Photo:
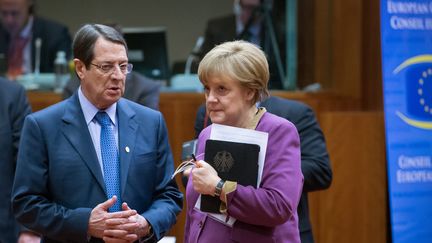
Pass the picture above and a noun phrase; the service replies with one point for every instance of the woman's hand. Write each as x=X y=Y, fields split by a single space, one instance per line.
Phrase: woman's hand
x=204 y=178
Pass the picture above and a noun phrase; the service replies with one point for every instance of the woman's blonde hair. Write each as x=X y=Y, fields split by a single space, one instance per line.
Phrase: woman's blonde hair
x=237 y=60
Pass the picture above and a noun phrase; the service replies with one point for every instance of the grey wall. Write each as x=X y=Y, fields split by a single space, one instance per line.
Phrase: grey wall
x=184 y=19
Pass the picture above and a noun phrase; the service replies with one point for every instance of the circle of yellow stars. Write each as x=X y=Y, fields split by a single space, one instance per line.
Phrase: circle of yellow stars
x=426 y=107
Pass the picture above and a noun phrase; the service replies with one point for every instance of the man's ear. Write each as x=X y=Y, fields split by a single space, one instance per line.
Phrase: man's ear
x=80 y=68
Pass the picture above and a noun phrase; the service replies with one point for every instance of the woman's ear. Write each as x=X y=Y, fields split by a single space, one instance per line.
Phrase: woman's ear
x=250 y=95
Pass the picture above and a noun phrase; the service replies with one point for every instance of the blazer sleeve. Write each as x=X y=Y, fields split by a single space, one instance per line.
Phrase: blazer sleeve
x=199 y=120
x=30 y=197
x=21 y=108
x=150 y=93
x=315 y=162
x=167 y=199
x=71 y=86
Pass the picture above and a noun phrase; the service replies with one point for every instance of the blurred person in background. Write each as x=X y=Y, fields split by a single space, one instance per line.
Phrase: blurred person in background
x=247 y=22
x=22 y=31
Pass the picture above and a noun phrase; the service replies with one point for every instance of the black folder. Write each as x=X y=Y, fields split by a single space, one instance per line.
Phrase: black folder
x=234 y=162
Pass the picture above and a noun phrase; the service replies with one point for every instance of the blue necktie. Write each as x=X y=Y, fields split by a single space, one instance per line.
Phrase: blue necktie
x=110 y=159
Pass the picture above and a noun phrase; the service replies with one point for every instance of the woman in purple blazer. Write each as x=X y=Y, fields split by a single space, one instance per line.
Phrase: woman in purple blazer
x=235 y=76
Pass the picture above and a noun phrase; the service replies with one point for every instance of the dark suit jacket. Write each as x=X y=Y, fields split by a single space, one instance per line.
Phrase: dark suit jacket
x=55 y=37
x=218 y=30
x=139 y=89
x=14 y=107
x=59 y=180
x=315 y=163
x=222 y=29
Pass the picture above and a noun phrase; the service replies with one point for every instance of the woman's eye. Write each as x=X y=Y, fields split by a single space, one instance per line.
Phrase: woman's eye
x=221 y=89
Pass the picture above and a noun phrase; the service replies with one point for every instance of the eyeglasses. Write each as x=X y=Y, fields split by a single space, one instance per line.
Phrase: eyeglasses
x=106 y=68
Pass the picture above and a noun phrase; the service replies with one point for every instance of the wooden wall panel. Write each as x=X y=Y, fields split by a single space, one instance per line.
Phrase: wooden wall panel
x=41 y=99
x=346 y=49
x=322 y=101
x=306 y=17
x=372 y=91
x=346 y=37
x=322 y=44
x=354 y=208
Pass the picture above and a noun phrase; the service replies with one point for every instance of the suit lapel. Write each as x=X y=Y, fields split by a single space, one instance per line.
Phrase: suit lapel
x=4 y=41
x=76 y=131
x=127 y=127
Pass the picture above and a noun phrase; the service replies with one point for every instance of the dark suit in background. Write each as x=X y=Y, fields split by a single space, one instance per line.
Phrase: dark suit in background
x=55 y=37
x=14 y=107
x=315 y=163
x=139 y=89
x=218 y=30
x=222 y=29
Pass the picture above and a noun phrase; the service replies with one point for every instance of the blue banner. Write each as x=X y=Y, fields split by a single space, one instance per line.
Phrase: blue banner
x=406 y=41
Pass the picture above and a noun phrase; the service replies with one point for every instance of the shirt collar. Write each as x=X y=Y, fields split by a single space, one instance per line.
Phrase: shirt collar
x=90 y=110
x=254 y=29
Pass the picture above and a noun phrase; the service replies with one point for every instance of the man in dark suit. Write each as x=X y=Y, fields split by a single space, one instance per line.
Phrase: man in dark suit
x=14 y=107
x=139 y=89
x=247 y=23
x=19 y=31
x=315 y=162
x=96 y=166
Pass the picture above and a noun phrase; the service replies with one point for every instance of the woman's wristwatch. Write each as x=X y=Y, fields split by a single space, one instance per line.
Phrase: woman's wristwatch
x=218 y=188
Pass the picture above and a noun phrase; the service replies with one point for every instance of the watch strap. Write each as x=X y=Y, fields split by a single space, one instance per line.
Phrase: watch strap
x=218 y=188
